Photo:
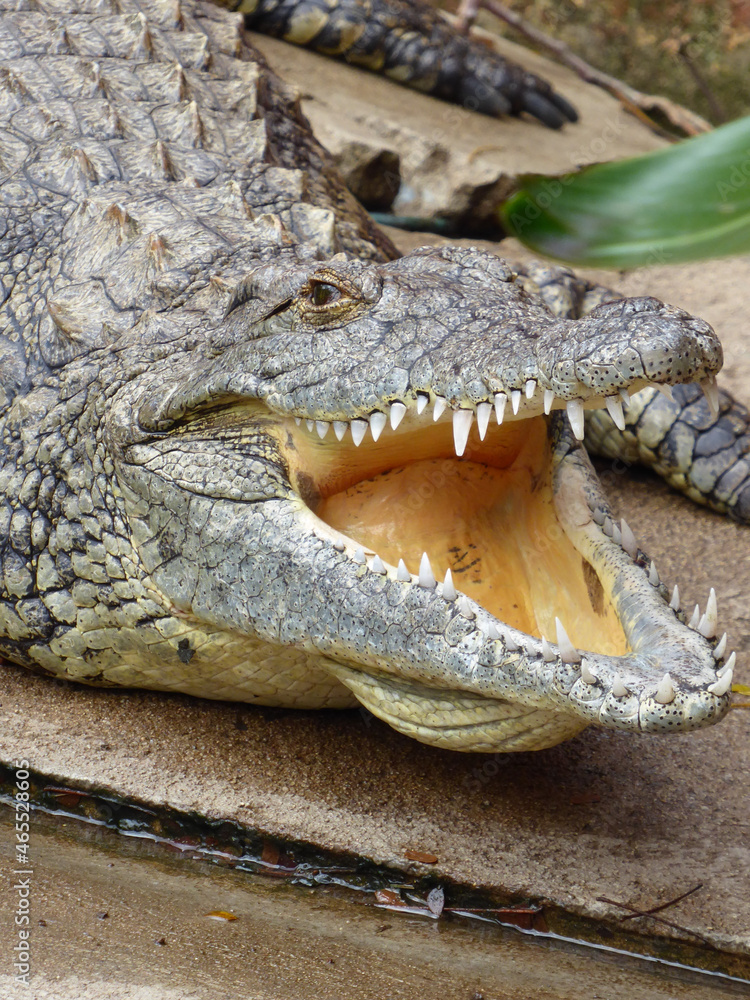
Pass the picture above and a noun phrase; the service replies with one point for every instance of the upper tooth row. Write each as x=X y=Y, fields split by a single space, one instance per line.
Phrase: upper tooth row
x=665 y=692
x=464 y=418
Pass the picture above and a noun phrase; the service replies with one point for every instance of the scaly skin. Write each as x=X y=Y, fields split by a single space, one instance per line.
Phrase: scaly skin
x=412 y=44
x=186 y=283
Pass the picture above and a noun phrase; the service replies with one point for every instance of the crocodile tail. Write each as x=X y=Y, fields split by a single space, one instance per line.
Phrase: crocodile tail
x=703 y=455
x=413 y=45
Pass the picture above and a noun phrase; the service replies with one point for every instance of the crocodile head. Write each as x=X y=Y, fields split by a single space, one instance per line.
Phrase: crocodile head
x=376 y=476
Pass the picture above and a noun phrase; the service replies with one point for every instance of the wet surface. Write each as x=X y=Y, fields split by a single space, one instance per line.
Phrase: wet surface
x=115 y=917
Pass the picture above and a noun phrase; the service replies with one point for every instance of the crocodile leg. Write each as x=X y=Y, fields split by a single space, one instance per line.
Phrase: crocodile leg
x=413 y=45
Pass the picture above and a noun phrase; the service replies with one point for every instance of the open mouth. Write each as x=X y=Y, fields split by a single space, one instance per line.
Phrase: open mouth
x=484 y=524
x=503 y=516
x=470 y=560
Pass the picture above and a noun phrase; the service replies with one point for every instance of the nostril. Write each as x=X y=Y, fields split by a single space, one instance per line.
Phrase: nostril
x=648 y=304
x=622 y=308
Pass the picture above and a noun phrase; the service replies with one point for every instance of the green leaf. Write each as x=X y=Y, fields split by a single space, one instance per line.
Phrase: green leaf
x=690 y=201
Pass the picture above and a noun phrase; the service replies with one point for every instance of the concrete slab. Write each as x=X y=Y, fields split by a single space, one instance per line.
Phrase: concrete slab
x=636 y=820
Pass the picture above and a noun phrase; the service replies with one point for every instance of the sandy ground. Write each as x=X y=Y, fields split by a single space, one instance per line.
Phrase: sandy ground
x=606 y=814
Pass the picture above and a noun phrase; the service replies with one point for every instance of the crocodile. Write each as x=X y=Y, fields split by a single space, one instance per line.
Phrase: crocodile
x=250 y=453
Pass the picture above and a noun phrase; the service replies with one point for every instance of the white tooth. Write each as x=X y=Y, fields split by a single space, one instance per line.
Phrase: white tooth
x=359 y=429
x=624 y=396
x=322 y=427
x=729 y=665
x=422 y=401
x=402 y=573
x=298 y=421
x=310 y=425
x=614 y=408
x=500 y=400
x=530 y=388
x=439 y=408
x=359 y=557
x=568 y=652
x=599 y=516
x=377 y=565
x=515 y=399
x=398 y=412
x=724 y=683
x=575 y=416
x=465 y=608
x=711 y=392
x=510 y=644
x=549 y=399
x=675 y=602
x=492 y=632
x=666 y=390
x=710 y=620
x=426 y=576
x=339 y=546
x=628 y=539
x=449 y=591
x=547 y=653
x=616 y=534
x=665 y=692
x=653 y=576
x=340 y=428
x=608 y=526
x=484 y=411
x=586 y=676
x=618 y=688
x=377 y=423
x=462 y=421
x=720 y=647
x=693 y=623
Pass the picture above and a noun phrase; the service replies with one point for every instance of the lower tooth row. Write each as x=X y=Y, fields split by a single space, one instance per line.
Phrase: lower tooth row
x=665 y=691
x=706 y=623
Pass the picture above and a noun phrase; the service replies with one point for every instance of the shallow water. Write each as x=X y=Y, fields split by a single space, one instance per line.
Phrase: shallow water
x=115 y=916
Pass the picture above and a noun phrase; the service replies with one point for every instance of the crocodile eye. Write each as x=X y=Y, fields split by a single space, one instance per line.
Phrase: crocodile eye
x=323 y=294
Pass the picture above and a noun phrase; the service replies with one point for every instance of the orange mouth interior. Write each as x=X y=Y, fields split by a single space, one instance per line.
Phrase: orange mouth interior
x=489 y=517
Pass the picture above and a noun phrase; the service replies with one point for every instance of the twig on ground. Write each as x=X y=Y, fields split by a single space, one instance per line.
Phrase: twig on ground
x=664 y=906
x=717 y=112
x=639 y=104
x=651 y=914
